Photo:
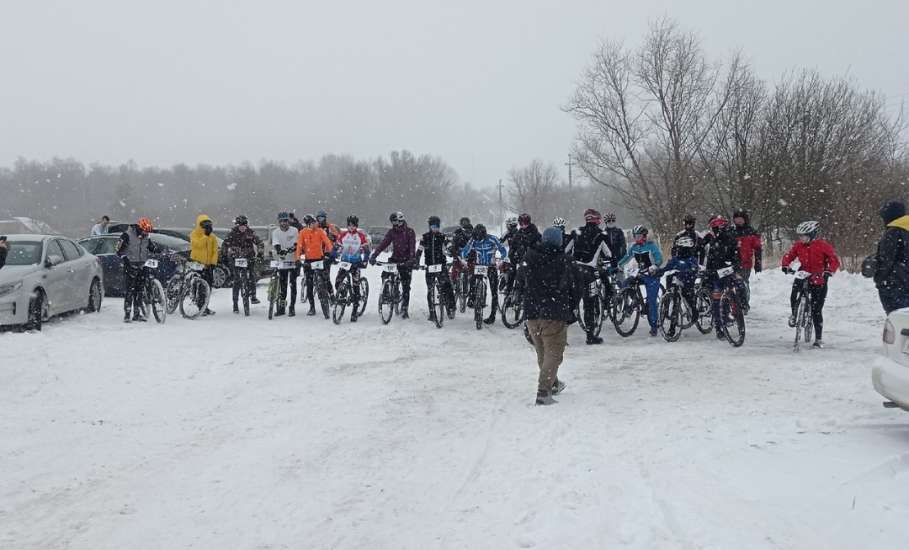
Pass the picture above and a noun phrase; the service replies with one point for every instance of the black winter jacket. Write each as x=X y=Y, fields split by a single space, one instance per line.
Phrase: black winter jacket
x=590 y=243
x=241 y=244
x=459 y=240
x=720 y=250
x=434 y=244
x=550 y=284
x=893 y=257
x=615 y=239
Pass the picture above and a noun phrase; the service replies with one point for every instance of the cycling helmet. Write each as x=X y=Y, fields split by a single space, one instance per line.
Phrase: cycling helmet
x=684 y=242
x=479 y=232
x=609 y=217
x=464 y=222
x=592 y=216
x=559 y=222
x=511 y=221
x=639 y=230
x=145 y=225
x=434 y=221
x=322 y=215
x=241 y=220
x=740 y=213
x=524 y=219
x=283 y=217
x=308 y=219
x=689 y=219
x=718 y=222
x=353 y=220
x=807 y=228
x=396 y=217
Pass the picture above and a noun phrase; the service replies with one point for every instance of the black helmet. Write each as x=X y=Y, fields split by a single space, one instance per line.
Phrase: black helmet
x=322 y=215
x=241 y=220
x=689 y=219
x=396 y=217
x=434 y=220
x=353 y=220
x=465 y=222
x=524 y=219
x=479 y=232
x=308 y=219
x=740 y=213
x=283 y=217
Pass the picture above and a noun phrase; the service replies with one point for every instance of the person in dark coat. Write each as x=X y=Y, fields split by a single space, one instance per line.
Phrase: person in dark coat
x=4 y=248
x=548 y=306
x=891 y=276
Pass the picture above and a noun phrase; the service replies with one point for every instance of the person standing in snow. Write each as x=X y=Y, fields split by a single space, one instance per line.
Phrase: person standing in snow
x=4 y=248
x=100 y=228
x=548 y=305
x=816 y=256
x=891 y=273
x=750 y=250
x=204 y=249
x=403 y=241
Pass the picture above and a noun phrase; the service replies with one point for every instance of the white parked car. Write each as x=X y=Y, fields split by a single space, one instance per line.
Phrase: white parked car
x=46 y=275
x=890 y=373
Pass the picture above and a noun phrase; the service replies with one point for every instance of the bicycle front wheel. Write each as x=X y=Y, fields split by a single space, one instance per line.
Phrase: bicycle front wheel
x=479 y=302
x=158 y=300
x=195 y=298
x=626 y=312
x=670 y=316
x=387 y=302
x=341 y=298
x=733 y=319
x=173 y=290
x=704 y=304
x=364 y=295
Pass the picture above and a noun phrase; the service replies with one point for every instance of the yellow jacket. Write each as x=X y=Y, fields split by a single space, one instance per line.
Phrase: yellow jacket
x=203 y=248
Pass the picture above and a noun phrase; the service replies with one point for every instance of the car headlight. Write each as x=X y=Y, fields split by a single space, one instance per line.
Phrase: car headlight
x=10 y=287
x=889 y=332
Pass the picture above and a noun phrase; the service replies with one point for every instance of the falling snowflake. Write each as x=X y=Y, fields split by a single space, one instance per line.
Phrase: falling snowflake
x=232 y=186
x=783 y=202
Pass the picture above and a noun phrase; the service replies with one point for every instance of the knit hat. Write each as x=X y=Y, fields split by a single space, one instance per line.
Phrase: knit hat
x=892 y=210
x=552 y=236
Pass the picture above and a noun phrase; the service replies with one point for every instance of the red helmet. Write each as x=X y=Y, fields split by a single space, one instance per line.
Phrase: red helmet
x=145 y=225
x=718 y=222
x=592 y=216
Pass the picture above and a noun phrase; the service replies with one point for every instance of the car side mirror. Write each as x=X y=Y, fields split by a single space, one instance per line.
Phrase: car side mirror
x=53 y=260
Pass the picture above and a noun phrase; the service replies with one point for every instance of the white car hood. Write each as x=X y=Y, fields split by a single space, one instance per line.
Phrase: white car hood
x=13 y=273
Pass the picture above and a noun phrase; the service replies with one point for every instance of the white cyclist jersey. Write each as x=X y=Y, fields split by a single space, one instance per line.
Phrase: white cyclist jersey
x=352 y=243
x=287 y=240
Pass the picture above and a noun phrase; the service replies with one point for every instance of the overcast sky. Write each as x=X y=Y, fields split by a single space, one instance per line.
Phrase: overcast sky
x=479 y=83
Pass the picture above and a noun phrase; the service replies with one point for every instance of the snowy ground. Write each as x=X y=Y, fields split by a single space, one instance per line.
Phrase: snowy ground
x=243 y=433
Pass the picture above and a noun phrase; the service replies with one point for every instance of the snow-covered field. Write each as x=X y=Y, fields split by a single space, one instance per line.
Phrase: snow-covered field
x=230 y=432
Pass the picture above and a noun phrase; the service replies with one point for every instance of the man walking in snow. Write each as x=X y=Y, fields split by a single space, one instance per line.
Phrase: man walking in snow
x=548 y=306
x=891 y=275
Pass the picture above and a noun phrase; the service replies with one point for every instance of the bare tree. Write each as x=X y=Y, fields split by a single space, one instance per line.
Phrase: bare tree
x=534 y=189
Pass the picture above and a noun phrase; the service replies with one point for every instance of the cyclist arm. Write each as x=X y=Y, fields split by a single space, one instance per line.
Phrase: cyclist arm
x=758 y=253
x=502 y=250
x=383 y=245
x=832 y=260
x=298 y=253
x=789 y=256
x=627 y=257
x=122 y=244
x=656 y=254
x=465 y=250
x=327 y=246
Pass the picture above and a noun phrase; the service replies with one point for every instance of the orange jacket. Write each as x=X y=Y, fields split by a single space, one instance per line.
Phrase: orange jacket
x=312 y=244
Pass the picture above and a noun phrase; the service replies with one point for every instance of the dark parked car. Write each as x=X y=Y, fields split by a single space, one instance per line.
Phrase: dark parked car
x=105 y=248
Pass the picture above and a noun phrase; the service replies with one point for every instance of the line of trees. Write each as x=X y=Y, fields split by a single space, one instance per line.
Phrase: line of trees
x=672 y=132
x=70 y=196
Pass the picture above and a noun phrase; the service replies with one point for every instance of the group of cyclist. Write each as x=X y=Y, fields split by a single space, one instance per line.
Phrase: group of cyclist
x=311 y=245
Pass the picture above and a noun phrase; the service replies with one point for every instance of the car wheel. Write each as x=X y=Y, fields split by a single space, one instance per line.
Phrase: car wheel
x=94 y=297
x=219 y=277
x=37 y=311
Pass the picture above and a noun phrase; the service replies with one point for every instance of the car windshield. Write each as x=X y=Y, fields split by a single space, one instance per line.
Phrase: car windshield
x=23 y=252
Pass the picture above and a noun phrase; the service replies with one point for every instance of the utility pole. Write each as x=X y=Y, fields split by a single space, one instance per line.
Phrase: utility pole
x=569 y=164
x=501 y=210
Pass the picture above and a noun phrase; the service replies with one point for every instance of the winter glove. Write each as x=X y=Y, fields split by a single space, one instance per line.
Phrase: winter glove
x=653 y=270
x=372 y=260
x=787 y=271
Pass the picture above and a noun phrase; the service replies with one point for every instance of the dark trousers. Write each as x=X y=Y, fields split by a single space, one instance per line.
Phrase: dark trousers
x=893 y=299
x=493 y=274
x=310 y=275
x=818 y=297
x=287 y=278
x=406 y=274
x=447 y=290
x=586 y=276
x=133 y=279
x=235 y=274
x=354 y=283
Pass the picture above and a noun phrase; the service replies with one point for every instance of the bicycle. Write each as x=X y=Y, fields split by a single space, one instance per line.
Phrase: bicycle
x=480 y=274
x=438 y=306
x=390 y=297
x=674 y=309
x=592 y=289
x=731 y=311
x=703 y=303
x=462 y=289
x=153 y=294
x=240 y=276
x=188 y=291
x=344 y=294
x=804 y=316
x=513 y=303
x=631 y=304
x=319 y=267
x=274 y=281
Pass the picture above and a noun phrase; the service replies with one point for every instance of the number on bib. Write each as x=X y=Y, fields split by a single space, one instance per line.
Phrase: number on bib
x=316 y=265
x=195 y=266
x=241 y=262
x=345 y=266
x=275 y=264
x=151 y=263
x=435 y=268
x=725 y=272
x=390 y=268
x=802 y=274
x=479 y=270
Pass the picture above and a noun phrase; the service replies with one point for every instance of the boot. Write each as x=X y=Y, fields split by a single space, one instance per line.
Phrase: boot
x=792 y=321
x=279 y=310
x=404 y=314
x=653 y=331
x=545 y=398
x=290 y=310
x=208 y=312
x=819 y=344
x=558 y=387
x=126 y=317
x=353 y=316
x=312 y=309
x=138 y=317
x=594 y=340
x=236 y=308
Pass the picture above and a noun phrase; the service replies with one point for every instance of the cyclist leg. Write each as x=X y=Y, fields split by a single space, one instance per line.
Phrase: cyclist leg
x=494 y=290
x=652 y=286
x=310 y=282
x=818 y=297
x=794 y=295
x=447 y=288
x=430 y=278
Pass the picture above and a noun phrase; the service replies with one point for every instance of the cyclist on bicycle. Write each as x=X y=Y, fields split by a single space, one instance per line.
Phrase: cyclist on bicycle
x=459 y=240
x=526 y=237
x=204 y=249
x=588 y=249
x=313 y=245
x=242 y=242
x=567 y=238
x=720 y=250
x=434 y=242
x=284 y=241
x=648 y=257
x=615 y=239
x=816 y=256
x=403 y=240
x=135 y=248
x=686 y=249
x=750 y=249
x=482 y=248
x=331 y=230
x=353 y=248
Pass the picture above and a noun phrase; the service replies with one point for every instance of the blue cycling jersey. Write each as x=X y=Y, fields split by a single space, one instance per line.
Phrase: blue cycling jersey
x=485 y=249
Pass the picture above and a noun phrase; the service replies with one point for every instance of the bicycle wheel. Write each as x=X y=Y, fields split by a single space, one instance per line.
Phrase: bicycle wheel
x=627 y=312
x=808 y=321
x=733 y=319
x=479 y=301
x=173 y=291
x=438 y=303
x=341 y=298
x=670 y=316
x=462 y=288
x=704 y=303
x=512 y=309
x=244 y=290
x=157 y=299
x=386 y=302
x=364 y=295
x=273 y=293
x=324 y=299
x=195 y=298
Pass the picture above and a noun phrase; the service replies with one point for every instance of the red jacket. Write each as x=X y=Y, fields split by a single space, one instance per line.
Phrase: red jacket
x=750 y=247
x=815 y=256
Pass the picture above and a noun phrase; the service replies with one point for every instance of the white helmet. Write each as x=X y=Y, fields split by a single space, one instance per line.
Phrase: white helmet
x=511 y=221
x=807 y=228
x=684 y=242
x=559 y=222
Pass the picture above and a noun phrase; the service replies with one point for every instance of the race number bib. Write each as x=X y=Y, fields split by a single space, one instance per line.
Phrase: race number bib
x=195 y=266
x=725 y=272
x=316 y=265
x=480 y=270
x=435 y=268
x=275 y=264
x=390 y=268
x=345 y=266
x=241 y=262
x=802 y=274
x=153 y=264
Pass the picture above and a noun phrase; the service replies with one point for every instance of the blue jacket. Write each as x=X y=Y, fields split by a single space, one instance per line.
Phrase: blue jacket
x=485 y=249
x=646 y=255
